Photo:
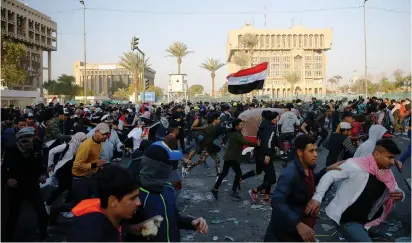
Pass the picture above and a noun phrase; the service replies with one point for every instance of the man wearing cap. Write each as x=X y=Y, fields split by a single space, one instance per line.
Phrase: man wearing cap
x=340 y=145
x=30 y=123
x=87 y=162
x=22 y=170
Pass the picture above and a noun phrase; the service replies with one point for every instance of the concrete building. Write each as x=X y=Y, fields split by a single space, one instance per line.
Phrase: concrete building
x=296 y=49
x=101 y=76
x=38 y=32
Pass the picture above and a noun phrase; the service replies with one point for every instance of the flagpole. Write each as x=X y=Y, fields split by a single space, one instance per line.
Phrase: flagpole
x=364 y=38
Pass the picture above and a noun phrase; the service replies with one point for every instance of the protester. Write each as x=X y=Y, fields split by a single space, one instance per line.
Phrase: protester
x=99 y=219
x=376 y=132
x=366 y=194
x=340 y=146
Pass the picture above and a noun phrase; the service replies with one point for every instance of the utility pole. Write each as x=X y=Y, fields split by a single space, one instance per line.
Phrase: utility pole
x=135 y=46
x=84 y=43
x=364 y=38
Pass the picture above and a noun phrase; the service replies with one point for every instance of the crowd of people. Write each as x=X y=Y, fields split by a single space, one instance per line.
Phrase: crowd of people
x=74 y=150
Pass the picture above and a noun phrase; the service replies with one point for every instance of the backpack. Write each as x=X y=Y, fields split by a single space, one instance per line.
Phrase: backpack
x=386 y=122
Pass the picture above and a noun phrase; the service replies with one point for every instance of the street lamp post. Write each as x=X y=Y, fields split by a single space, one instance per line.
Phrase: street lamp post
x=135 y=46
x=364 y=38
x=84 y=43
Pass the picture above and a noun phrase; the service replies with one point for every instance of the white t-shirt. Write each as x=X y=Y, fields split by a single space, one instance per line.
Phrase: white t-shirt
x=136 y=135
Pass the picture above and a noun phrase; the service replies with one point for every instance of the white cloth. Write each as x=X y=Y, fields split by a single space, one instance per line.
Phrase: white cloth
x=375 y=133
x=136 y=136
x=352 y=181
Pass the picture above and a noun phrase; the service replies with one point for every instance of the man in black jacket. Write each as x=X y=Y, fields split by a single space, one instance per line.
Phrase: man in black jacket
x=264 y=156
x=293 y=191
x=22 y=171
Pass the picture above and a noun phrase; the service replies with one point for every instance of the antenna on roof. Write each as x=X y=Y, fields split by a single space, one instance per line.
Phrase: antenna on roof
x=265 y=16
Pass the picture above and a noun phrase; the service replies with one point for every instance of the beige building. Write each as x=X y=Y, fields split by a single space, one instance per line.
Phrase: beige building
x=100 y=77
x=296 y=49
x=38 y=32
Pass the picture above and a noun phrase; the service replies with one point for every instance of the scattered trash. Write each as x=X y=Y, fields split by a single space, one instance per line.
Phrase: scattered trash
x=236 y=222
x=230 y=238
x=388 y=234
x=395 y=226
x=216 y=221
x=403 y=239
x=231 y=219
x=188 y=238
x=327 y=227
x=184 y=209
x=215 y=238
x=214 y=211
x=246 y=221
x=341 y=238
x=256 y=206
x=224 y=181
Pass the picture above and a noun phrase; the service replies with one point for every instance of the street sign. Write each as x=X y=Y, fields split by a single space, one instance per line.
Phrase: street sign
x=148 y=96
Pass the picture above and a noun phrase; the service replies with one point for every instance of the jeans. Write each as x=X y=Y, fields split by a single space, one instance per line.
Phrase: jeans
x=354 y=232
x=82 y=188
x=236 y=168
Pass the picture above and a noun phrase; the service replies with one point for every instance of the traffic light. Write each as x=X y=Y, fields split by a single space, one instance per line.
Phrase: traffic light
x=147 y=84
x=134 y=43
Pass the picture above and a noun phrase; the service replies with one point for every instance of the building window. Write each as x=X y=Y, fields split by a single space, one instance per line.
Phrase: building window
x=273 y=40
x=308 y=73
x=316 y=40
x=261 y=41
x=239 y=40
x=305 y=41
x=267 y=41
x=278 y=41
x=294 y=41
x=321 y=40
x=283 y=41
x=310 y=40
x=300 y=41
x=287 y=66
x=308 y=66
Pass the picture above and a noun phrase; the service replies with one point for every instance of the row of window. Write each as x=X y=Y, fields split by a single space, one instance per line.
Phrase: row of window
x=289 y=41
x=280 y=73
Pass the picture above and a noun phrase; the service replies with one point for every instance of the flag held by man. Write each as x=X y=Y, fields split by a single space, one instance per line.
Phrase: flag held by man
x=248 y=79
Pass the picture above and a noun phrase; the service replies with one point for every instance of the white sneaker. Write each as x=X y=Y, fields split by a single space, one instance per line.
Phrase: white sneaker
x=67 y=215
x=47 y=208
x=184 y=172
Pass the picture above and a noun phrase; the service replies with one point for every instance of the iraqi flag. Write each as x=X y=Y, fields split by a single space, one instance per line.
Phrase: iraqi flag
x=248 y=79
x=54 y=101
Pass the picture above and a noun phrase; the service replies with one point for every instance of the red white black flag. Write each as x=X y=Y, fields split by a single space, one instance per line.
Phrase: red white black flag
x=247 y=79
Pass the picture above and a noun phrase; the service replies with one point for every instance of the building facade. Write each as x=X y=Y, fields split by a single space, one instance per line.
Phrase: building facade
x=298 y=50
x=100 y=77
x=38 y=32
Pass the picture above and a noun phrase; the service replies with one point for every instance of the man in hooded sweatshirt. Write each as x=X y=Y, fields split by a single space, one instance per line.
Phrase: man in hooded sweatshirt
x=288 y=121
x=376 y=132
x=99 y=219
x=158 y=197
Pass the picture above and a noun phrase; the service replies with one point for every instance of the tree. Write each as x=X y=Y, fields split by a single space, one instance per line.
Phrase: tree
x=241 y=58
x=385 y=85
x=359 y=87
x=292 y=78
x=117 y=85
x=212 y=65
x=12 y=70
x=88 y=92
x=224 y=89
x=332 y=81
x=178 y=50
x=337 y=78
x=250 y=41
x=65 y=85
x=121 y=94
x=195 y=89
x=134 y=65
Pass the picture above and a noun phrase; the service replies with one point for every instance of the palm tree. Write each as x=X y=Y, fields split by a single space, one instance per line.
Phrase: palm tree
x=337 y=78
x=292 y=78
x=332 y=81
x=134 y=64
x=212 y=65
x=250 y=41
x=241 y=59
x=178 y=50
x=121 y=94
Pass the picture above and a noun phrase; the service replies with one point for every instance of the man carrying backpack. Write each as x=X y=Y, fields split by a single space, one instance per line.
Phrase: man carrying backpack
x=384 y=117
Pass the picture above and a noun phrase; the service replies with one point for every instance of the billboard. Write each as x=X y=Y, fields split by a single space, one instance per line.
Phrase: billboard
x=148 y=96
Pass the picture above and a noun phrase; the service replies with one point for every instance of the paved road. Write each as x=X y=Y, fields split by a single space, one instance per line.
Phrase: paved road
x=240 y=220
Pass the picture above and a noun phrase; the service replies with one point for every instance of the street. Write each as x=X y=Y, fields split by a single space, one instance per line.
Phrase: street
x=241 y=220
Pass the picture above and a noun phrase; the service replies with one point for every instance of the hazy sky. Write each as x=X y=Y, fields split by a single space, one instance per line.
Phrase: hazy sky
x=158 y=23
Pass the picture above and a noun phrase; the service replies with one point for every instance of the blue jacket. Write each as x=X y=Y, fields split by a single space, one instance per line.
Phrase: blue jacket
x=163 y=204
x=289 y=200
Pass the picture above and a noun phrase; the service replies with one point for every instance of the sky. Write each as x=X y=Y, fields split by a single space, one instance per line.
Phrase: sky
x=204 y=25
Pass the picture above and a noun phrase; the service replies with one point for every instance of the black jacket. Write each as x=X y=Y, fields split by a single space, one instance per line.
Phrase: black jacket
x=25 y=170
x=289 y=200
x=267 y=136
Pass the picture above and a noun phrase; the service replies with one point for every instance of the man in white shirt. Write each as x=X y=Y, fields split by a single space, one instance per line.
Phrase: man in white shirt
x=137 y=135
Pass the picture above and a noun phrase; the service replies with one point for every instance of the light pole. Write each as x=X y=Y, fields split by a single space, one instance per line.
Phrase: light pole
x=135 y=46
x=84 y=43
x=364 y=38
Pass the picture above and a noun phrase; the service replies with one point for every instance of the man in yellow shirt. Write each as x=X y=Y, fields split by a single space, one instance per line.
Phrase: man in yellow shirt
x=87 y=163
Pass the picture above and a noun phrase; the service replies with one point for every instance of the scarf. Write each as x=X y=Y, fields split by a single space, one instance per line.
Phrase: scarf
x=397 y=106
x=368 y=164
x=76 y=140
x=21 y=134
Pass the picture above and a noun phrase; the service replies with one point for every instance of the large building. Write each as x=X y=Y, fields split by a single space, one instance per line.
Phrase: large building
x=38 y=33
x=100 y=77
x=297 y=49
